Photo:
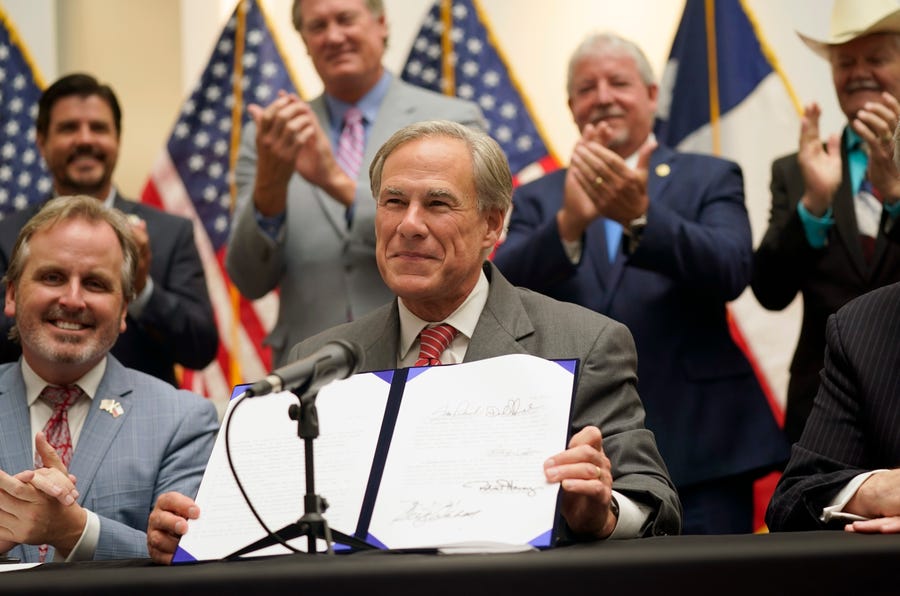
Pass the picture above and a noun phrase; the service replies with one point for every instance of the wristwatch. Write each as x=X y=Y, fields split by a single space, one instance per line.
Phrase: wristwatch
x=633 y=231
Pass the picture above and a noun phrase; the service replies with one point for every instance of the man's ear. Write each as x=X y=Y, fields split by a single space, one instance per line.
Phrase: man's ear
x=9 y=305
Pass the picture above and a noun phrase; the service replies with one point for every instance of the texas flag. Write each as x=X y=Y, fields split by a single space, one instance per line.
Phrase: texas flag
x=724 y=93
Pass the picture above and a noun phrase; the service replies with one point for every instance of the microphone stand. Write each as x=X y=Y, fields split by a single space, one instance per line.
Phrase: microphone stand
x=312 y=523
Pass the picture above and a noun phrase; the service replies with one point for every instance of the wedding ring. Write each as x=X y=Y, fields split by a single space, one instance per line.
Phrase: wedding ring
x=599 y=472
x=598 y=181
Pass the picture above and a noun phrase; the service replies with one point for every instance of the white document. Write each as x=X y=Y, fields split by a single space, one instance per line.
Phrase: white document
x=464 y=464
x=268 y=457
x=466 y=458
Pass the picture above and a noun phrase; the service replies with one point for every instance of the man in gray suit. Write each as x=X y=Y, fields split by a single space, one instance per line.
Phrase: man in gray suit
x=303 y=223
x=442 y=191
x=125 y=436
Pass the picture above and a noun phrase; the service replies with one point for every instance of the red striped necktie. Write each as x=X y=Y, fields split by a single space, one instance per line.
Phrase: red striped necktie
x=432 y=343
x=57 y=429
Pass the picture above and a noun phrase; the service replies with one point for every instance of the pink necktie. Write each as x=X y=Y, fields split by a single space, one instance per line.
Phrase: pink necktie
x=57 y=430
x=433 y=341
x=351 y=143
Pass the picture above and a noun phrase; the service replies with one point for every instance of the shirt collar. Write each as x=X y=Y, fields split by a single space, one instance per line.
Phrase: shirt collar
x=368 y=104
x=852 y=141
x=34 y=384
x=464 y=318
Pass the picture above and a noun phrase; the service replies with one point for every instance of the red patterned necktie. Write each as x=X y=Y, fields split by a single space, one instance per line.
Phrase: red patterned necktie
x=57 y=429
x=433 y=341
x=351 y=143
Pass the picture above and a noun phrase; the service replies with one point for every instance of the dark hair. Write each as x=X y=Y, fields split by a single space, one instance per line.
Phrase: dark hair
x=82 y=85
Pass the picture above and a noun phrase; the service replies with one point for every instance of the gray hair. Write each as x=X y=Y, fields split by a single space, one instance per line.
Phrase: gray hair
x=600 y=44
x=492 y=178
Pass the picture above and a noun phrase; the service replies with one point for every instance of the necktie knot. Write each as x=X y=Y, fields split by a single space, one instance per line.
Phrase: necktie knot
x=60 y=398
x=432 y=343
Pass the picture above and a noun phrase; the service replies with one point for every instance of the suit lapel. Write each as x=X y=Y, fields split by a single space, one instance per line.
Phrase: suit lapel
x=845 y=218
x=101 y=426
x=662 y=166
x=16 y=453
x=503 y=323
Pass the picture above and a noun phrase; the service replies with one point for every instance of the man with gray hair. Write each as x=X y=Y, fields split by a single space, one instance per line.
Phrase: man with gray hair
x=442 y=191
x=303 y=222
x=125 y=436
x=660 y=241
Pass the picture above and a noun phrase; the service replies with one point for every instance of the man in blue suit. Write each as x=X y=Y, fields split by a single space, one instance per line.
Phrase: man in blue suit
x=125 y=436
x=660 y=241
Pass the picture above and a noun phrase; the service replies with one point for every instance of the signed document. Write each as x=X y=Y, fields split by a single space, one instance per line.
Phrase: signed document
x=413 y=458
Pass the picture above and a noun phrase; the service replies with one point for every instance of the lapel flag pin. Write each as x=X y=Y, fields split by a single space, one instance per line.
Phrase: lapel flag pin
x=112 y=406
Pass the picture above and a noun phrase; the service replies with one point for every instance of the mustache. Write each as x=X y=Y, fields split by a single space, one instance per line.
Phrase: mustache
x=87 y=150
x=598 y=114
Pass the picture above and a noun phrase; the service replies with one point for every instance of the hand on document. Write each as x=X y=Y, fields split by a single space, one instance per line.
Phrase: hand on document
x=585 y=475
x=168 y=523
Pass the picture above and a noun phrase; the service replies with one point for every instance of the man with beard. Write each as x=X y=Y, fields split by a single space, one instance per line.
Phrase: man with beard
x=835 y=204
x=660 y=241
x=126 y=436
x=170 y=321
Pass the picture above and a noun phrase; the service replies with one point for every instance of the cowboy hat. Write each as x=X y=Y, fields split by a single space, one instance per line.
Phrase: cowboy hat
x=851 y=19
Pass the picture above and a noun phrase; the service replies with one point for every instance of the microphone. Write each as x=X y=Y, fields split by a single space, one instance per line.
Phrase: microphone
x=334 y=361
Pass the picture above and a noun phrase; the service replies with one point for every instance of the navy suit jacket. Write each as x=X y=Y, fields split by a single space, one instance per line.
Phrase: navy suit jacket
x=785 y=265
x=854 y=425
x=177 y=326
x=161 y=442
x=704 y=403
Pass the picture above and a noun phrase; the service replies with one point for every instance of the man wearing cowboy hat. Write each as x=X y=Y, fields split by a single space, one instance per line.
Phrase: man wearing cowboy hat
x=834 y=203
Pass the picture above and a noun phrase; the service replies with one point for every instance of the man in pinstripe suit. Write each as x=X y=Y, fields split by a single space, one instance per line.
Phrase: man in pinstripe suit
x=130 y=436
x=845 y=470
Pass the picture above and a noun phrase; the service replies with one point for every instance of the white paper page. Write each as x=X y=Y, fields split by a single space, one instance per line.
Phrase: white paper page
x=466 y=459
x=269 y=459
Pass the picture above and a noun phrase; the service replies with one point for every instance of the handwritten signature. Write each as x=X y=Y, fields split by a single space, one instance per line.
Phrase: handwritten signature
x=513 y=407
x=422 y=513
x=500 y=486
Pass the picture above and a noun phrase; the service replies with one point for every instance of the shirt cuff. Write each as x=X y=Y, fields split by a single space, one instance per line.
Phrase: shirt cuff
x=632 y=517
x=816 y=228
x=270 y=225
x=573 y=250
x=834 y=510
x=136 y=307
x=87 y=545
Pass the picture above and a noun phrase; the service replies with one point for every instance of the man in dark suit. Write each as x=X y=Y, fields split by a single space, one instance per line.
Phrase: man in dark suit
x=442 y=191
x=835 y=203
x=171 y=320
x=303 y=223
x=685 y=251
x=125 y=435
x=843 y=472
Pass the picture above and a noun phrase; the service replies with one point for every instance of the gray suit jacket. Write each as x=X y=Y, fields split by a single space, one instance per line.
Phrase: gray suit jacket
x=325 y=270
x=160 y=443
x=519 y=321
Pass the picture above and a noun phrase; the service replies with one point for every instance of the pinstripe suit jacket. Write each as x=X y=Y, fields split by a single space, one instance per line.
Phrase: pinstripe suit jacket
x=855 y=421
x=160 y=443
x=519 y=321
x=324 y=269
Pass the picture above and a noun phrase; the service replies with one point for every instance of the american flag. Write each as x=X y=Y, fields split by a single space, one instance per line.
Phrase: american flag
x=473 y=67
x=23 y=175
x=192 y=177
